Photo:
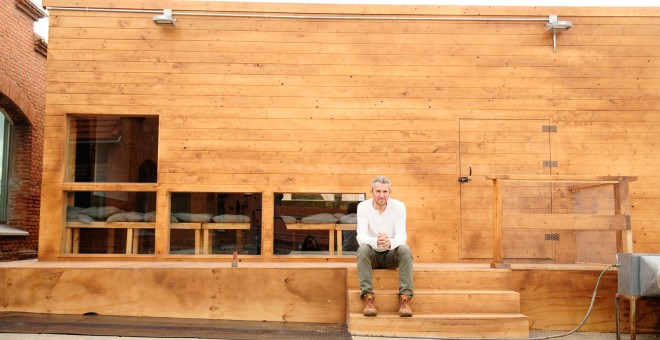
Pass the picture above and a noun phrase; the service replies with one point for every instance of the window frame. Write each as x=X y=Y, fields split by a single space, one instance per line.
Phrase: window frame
x=100 y=147
x=6 y=169
x=205 y=232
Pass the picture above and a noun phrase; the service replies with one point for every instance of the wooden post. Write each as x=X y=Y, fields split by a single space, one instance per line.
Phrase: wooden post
x=111 y=241
x=202 y=247
x=75 y=241
x=622 y=207
x=68 y=240
x=497 y=222
x=267 y=225
x=162 y=228
x=331 y=242
x=129 y=240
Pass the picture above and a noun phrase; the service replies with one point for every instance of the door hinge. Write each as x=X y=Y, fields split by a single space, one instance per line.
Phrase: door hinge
x=549 y=128
x=550 y=164
x=552 y=237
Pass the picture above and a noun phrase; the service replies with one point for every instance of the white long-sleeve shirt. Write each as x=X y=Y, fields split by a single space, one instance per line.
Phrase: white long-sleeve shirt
x=392 y=222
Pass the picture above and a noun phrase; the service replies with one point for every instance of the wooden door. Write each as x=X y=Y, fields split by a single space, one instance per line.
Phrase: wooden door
x=496 y=146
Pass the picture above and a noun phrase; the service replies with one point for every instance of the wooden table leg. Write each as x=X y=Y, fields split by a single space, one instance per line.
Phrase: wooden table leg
x=206 y=247
x=68 y=240
x=129 y=240
x=331 y=241
x=76 y=241
x=633 y=319
x=633 y=312
x=618 y=316
x=111 y=241
x=240 y=242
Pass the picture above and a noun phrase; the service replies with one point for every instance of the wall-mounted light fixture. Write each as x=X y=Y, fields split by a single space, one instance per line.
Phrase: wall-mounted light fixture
x=164 y=19
x=556 y=25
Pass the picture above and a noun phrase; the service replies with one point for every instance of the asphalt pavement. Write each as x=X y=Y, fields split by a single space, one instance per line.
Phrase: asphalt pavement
x=35 y=326
x=533 y=335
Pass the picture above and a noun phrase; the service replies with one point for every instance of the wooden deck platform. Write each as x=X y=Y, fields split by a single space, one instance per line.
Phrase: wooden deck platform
x=307 y=292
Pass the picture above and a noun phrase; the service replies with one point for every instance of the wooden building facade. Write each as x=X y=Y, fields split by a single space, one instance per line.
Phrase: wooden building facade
x=249 y=102
x=246 y=127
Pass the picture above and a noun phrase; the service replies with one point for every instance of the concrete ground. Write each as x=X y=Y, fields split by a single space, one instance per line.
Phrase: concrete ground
x=551 y=335
x=31 y=326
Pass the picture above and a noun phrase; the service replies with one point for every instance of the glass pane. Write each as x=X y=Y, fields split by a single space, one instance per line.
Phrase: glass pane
x=215 y=223
x=101 y=241
x=182 y=241
x=3 y=123
x=112 y=149
x=5 y=132
x=107 y=222
x=315 y=223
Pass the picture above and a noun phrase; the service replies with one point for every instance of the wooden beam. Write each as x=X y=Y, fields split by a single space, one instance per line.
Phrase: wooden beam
x=497 y=221
x=566 y=221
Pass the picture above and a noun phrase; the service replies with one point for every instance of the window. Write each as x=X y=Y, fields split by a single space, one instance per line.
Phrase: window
x=109 y=222
x=215 y=223
x=112 y=149
x=5 y=131
x=315 y=223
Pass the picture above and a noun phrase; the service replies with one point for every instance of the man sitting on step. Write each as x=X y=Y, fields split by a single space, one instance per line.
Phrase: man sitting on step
x=381 y=234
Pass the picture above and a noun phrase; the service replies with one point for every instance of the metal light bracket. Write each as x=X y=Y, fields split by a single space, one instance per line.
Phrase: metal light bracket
x=556 y=25
x=164 y=19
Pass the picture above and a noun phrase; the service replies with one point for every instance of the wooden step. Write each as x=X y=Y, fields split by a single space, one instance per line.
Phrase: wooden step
x=449 y=301
x=462 y=325
x=443 y=278
x=428 y=301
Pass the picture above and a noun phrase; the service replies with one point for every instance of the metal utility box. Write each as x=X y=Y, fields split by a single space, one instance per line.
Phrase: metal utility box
x=639 y=274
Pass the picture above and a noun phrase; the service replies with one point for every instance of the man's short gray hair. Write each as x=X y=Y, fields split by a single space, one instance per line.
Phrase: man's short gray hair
x=381 y=179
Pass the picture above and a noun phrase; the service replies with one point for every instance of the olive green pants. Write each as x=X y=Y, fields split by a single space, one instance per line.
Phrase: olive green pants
x=369 y=259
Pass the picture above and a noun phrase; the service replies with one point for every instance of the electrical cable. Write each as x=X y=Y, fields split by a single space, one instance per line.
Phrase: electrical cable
x=584 y=320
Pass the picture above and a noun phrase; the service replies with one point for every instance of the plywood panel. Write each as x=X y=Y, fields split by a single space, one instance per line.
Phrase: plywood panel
x=559 y=299
x=312 y=295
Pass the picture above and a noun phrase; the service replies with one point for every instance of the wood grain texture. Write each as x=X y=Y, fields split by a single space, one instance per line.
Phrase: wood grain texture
x=218 y=292
x=559 y=299
x=271 y=105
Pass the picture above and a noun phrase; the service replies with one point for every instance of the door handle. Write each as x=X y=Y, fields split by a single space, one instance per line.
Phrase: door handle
x=465 y=179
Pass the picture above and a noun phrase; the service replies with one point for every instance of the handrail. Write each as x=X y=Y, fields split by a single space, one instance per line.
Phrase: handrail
x=562 y=178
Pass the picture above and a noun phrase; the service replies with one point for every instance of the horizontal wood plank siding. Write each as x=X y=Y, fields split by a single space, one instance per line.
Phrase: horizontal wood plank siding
x=323 y=105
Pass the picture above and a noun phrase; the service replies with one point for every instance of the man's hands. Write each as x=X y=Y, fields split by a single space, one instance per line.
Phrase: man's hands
x=383 y=241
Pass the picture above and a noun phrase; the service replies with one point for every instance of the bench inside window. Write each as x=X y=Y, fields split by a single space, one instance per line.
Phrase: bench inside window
x=315 y=223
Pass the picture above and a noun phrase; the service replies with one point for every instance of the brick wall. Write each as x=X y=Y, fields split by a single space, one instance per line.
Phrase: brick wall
x=22 y=98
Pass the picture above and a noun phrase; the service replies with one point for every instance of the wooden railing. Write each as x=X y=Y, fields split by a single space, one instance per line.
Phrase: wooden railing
x=610 y=218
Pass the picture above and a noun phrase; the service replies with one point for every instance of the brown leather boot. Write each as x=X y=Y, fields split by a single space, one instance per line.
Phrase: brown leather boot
x=404 y=303
x=369 y=308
